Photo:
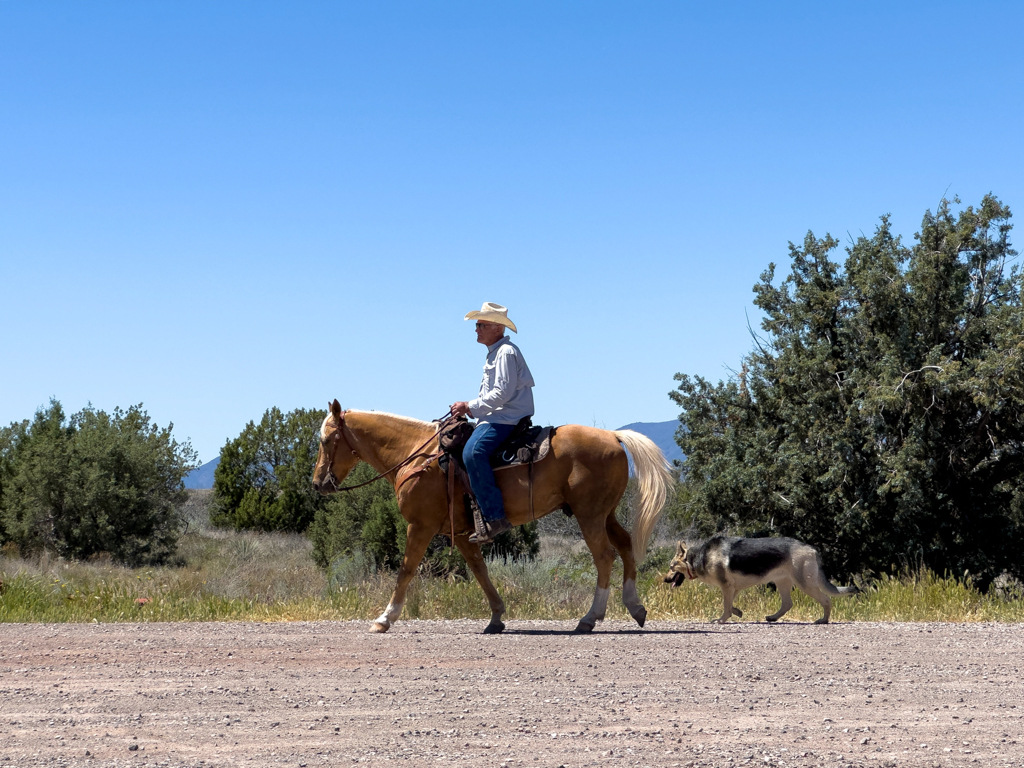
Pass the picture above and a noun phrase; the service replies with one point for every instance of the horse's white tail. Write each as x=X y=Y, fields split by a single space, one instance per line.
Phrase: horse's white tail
x=654 y=481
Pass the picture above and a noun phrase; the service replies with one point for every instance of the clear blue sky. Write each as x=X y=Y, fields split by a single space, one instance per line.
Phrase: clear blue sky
x=214 y=208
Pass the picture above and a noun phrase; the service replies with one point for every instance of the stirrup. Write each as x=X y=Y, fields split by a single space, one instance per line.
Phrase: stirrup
x=488 y=530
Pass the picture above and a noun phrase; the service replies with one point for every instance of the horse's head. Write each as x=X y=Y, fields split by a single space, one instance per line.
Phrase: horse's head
x=679 y=569
x=337 y=457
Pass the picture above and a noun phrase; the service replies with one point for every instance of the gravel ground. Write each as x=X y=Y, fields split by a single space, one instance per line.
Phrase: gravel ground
x=673 y=694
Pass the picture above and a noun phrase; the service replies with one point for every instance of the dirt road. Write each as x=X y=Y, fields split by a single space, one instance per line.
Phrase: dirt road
x=439 y=693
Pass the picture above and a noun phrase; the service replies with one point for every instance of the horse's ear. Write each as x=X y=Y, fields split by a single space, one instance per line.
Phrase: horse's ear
x=335 y=408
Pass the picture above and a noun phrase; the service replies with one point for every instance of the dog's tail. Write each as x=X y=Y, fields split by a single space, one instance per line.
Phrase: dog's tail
x=654 y=481
x=832 y=589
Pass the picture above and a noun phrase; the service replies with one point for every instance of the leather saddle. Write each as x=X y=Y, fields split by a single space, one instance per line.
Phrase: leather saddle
x=526 y=444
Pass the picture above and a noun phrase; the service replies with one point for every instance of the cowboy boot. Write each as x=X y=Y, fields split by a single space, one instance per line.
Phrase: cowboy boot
x=488 y=530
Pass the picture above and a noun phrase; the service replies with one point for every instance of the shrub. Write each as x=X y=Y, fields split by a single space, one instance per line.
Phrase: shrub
x=881 y=416
x=338 y=526
x=367 y=520
x=94 y=483
x=263 y=480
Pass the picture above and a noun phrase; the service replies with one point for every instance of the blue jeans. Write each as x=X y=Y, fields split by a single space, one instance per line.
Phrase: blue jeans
x=477 y=457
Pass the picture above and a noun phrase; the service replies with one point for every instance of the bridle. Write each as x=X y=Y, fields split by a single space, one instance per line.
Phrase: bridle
x=338 y=437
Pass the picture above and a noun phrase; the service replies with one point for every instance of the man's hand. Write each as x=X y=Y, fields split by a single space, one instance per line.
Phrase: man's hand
x=461 y=409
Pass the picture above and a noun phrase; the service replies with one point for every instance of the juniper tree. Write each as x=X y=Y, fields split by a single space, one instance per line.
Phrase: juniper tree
x=263 y=481
x=93 y=483
x=880 y=416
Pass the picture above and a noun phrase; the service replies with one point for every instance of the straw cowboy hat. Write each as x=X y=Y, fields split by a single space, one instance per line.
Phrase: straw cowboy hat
x=492 y=313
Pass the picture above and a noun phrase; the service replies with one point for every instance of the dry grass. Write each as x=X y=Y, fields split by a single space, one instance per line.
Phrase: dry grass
x=270 y=577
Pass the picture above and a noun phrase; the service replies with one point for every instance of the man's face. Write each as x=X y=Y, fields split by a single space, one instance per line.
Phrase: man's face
x=488 y=333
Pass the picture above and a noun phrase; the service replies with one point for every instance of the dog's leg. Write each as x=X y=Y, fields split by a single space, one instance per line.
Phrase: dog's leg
x=814 y=585
x=785 y=590
x=826 y=602
x=728 y=593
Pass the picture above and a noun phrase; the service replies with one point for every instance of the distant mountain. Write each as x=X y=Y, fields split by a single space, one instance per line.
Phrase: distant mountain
x=663 y=435
x=202 y=477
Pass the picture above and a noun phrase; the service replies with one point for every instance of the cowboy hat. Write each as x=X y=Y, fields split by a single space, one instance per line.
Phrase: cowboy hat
x=492 y=313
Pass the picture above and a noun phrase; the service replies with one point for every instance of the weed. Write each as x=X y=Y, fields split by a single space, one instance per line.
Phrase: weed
x=272 y=577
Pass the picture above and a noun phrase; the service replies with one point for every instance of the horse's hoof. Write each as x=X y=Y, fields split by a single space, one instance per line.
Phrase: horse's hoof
x=494 y=628
x=771 y=619
x=378 y=627
x=583 y=629
x=641 y=616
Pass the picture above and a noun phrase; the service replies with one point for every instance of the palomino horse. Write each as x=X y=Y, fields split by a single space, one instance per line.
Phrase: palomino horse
x=585 y=471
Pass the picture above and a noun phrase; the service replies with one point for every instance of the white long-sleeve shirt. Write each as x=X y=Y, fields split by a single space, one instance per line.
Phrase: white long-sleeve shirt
x=506 y=391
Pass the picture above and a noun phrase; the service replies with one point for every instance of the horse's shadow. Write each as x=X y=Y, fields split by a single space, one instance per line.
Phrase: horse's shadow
x=573 y=633
x=711 y=628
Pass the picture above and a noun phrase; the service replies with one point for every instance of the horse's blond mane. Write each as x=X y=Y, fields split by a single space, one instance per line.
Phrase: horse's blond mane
x=407 y=419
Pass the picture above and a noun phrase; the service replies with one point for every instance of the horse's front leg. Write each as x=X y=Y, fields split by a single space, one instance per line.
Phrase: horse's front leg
x=475 y=560
x=417 y=540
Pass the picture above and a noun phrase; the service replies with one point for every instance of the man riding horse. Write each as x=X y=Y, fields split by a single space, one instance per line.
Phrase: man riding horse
x=506 y=397
x=585 y=473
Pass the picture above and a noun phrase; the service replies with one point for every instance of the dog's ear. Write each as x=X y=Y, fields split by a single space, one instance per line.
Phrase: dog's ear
x=680 y=549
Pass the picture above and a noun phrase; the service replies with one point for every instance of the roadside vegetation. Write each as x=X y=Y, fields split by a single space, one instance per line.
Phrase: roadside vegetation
x=241 y=575
x=880 y=414
x=879 y=417
x=92 y=483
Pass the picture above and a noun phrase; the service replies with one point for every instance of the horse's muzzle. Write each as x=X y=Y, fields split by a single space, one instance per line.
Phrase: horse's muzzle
x=324 y=488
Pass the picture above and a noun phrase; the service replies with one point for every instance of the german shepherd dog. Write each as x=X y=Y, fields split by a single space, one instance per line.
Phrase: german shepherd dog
x=733 y=564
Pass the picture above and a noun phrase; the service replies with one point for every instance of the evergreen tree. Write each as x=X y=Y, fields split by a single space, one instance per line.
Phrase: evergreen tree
x=364 y=519
x=94 y=483
x=263 y=480
x=881 y=418
x=367 y=520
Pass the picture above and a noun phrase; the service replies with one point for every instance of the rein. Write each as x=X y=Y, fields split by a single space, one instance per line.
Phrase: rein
x=415 y=454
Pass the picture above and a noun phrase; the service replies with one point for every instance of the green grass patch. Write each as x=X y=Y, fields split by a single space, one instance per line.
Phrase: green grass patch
x=271 y=577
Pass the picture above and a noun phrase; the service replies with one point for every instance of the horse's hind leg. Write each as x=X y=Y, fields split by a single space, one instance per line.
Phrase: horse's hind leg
x=596 y=536
x=475 y=560
x=415 y=547
x=623 y=544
